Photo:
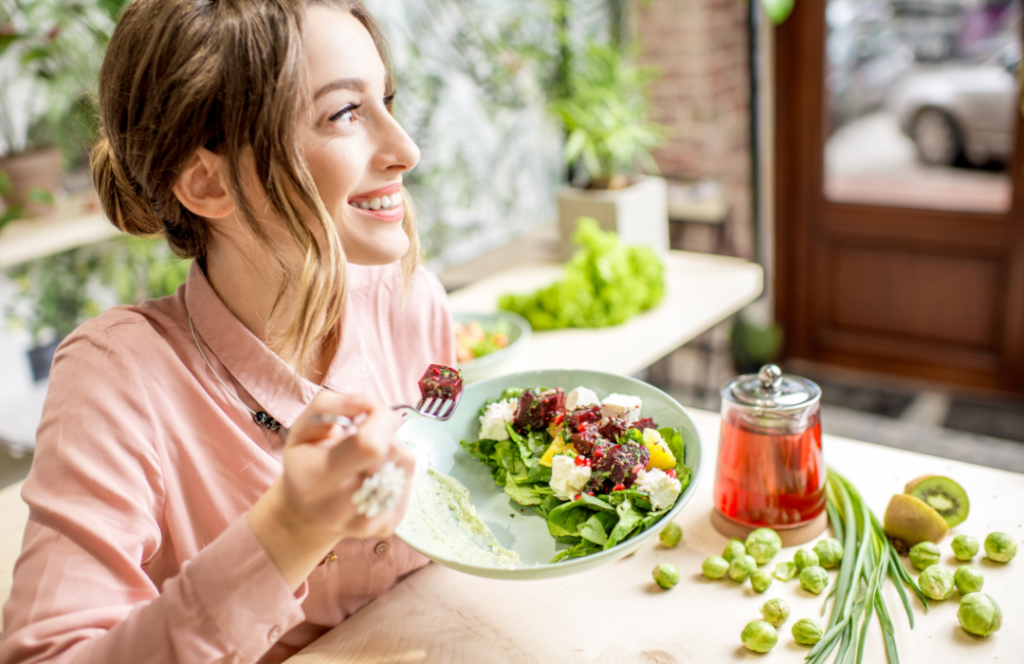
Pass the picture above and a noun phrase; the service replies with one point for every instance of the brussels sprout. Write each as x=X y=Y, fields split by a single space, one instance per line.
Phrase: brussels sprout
x=734 y=548
x=813 y=579
x=1000 y=547
x=807 y=632
x=715 y=567
x=763 y=544
x=759 y=636
x=968 y=579
x=785 y=571
x=775 y=611
x=936 y=582
x=665 y=575
x=979 y=614
x=965 y=547
x=805 y=558
x=741 y=567
x=671 y=535
x=924 y=554
x=829 y=551
x=760 y=580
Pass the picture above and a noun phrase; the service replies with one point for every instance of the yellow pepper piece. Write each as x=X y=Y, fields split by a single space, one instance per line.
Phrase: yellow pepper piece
x=558 y=446
x=661 y=455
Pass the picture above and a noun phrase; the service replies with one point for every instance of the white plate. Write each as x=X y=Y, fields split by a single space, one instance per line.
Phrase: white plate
x=436 y=444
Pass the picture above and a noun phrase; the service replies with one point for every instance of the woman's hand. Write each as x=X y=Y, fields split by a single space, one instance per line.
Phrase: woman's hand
x=309 y=508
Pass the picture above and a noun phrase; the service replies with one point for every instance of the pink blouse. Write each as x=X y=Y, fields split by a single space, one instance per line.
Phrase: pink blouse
x=137 y=547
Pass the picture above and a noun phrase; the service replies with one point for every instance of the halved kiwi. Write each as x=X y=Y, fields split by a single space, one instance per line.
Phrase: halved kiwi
x=943 y=495
x=909 y=520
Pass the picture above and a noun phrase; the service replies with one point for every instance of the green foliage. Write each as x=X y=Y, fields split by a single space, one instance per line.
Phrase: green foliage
x=56 y=293
x=53 y=294
x=141 y=268
x=752 y=344
x=604 y=112
x=50 y=55
x=777 y=10
x=605 y=283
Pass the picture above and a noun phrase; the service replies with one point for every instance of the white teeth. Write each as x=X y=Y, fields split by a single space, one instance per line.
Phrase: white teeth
x=381 y=203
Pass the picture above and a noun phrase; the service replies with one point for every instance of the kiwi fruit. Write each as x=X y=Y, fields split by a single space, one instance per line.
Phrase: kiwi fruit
x=909 y=520
x=943 y=495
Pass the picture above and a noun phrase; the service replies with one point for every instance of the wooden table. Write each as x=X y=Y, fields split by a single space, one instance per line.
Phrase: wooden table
x=701 y=291
x=616 y=614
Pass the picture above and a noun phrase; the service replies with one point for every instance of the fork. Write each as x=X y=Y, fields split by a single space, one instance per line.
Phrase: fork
x=434 y=408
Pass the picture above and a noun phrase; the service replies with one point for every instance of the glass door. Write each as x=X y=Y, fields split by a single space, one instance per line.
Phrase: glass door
x=899 y=201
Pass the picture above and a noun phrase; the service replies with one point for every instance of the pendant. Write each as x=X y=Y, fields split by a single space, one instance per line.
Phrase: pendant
x=264 y=420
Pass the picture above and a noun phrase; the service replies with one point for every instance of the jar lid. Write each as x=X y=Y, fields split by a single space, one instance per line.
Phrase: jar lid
x=770 y=389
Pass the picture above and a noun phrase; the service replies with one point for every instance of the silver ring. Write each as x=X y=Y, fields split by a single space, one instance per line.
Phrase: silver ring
x=380 y=492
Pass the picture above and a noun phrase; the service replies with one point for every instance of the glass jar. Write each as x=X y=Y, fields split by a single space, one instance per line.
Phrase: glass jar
x=770 y=471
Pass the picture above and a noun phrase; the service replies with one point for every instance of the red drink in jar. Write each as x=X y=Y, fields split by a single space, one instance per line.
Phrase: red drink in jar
x=771 y=470
x=769 y=478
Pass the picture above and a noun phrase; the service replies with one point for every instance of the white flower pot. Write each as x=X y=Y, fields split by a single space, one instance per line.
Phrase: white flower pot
x=638 y=213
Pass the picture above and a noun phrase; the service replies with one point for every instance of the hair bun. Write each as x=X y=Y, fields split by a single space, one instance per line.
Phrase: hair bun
x=123 y=201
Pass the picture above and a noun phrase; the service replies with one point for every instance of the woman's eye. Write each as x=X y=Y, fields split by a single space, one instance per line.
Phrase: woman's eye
x=345 y=115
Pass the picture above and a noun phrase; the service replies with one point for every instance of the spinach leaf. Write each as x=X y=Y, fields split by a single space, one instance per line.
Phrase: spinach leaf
x=597 y=527
x=526 y=494
x=583 y=548
x=629 y=519
x=676 y=445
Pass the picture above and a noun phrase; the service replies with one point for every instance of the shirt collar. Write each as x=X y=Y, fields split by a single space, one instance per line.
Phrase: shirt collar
x=277 y=388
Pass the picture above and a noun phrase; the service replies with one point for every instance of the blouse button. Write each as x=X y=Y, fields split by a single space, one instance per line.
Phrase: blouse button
x=381 y=549
x=274 y=634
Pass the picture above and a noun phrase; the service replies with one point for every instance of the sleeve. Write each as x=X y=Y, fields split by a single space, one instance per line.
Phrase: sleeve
x=81 y=591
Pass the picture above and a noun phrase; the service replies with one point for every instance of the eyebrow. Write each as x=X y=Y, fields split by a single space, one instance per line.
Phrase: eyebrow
x=357 y=84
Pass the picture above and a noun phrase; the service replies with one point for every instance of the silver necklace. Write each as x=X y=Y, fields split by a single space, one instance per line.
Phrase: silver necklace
x=261 y=418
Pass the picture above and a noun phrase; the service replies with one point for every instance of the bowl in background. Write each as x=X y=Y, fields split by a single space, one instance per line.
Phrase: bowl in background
x=436 y=444
x=519 y=332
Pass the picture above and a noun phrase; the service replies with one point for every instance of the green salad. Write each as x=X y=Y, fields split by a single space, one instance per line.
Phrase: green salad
x=594 y=469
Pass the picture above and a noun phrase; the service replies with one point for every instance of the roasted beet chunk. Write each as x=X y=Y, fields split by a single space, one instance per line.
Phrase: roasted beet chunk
x=612 y=429
x=537 y=409
x=645 y=423
x=578 y=419
x=440 y=382
x=584 y=439
x=619 y=464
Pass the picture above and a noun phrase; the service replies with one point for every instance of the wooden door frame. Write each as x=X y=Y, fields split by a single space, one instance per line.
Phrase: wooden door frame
x=800 y=199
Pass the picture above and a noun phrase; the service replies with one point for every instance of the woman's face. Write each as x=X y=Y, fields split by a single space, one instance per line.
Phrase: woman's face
x=355 y=149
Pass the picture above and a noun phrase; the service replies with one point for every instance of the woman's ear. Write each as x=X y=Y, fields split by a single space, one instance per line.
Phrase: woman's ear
x=203 y=186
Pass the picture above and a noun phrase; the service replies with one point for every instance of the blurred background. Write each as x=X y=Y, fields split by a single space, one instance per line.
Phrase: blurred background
x=866 y=153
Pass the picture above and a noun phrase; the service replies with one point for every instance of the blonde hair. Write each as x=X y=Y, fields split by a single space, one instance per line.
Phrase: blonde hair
x=229 y=76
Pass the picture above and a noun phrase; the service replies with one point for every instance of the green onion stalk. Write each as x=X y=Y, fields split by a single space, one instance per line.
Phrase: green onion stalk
x=868 y=559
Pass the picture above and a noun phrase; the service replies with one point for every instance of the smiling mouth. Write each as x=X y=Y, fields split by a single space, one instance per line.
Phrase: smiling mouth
x=379 y=203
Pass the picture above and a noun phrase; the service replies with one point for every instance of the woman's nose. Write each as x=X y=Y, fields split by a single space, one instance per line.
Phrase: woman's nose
x=397 y=152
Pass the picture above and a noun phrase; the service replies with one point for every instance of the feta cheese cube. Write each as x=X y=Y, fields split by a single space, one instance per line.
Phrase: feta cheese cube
x=621 y=406
x=659 y=487
x=581 y=397
x=492 y=422
x=568 y=479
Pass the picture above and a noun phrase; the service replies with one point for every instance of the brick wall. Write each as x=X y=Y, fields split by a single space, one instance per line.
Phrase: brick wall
x=703 y=96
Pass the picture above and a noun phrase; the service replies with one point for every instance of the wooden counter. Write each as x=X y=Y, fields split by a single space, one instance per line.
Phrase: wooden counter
x=616 y=614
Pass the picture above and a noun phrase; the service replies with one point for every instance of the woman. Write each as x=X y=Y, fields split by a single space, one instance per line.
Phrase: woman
x=171 y=517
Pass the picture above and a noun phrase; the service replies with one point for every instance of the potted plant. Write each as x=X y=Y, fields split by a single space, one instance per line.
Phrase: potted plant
x=55 y=293
x=53 y=298
x=753 y=344
x=50 y=54
x=603 y=108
